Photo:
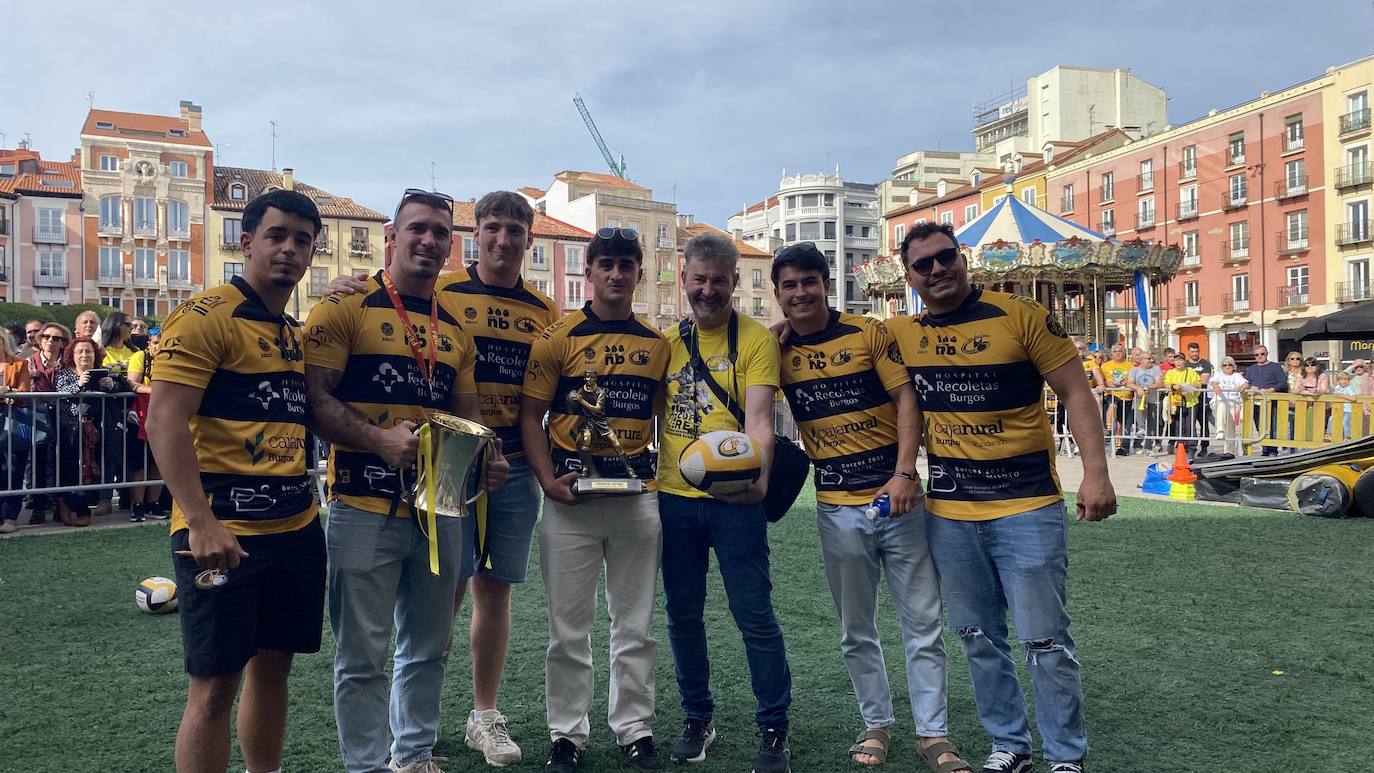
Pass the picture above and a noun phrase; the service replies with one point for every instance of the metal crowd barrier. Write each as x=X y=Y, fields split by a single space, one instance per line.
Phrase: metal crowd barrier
x=44 y=446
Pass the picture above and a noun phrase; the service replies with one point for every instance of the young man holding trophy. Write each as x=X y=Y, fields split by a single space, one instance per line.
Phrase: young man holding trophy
x=378 y=364
x=598 y=372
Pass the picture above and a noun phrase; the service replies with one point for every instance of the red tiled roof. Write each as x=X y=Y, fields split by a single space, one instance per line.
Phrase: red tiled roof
x=596 y=178
x=36 y=177
x=258 y=180
x=134 y=126
x=746 y=250
x=532 y=192
x=465 y=219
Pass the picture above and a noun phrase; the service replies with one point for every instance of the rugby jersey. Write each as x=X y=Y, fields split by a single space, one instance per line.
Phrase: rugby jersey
x=693 y=409
x=836 y=381
x=249 y=431
x=630 y=360
x=362 y=336
x=504 y=322
x=977 y=373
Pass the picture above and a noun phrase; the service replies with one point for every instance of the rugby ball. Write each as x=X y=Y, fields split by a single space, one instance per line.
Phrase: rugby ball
x=721 y=462
x=156 y=595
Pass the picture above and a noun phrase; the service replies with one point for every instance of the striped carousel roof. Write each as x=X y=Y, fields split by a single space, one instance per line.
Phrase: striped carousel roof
x=1012 y=220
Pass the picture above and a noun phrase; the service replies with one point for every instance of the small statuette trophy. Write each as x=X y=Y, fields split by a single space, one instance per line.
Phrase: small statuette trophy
x=590 y=402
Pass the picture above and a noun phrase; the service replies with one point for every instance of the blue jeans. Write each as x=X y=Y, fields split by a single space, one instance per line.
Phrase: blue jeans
x=857 y=551
x=1019 y=562
x=511 y=514
x=739 y=534
x=379 y=577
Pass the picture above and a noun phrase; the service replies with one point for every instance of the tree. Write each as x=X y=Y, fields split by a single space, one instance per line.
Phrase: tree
x=23 y=312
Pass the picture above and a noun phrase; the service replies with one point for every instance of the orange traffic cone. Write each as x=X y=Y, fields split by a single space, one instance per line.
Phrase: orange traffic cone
x=1182 y=480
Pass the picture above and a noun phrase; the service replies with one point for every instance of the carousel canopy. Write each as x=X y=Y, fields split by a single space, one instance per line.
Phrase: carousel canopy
x=1013 y=221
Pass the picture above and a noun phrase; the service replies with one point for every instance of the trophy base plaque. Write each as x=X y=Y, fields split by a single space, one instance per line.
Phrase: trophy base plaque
x=612 y=486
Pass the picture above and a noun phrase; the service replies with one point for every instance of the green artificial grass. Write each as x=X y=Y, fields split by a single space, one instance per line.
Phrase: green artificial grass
x=1182 y=613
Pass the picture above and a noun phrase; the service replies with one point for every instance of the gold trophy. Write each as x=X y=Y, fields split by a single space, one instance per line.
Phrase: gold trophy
x=590 y=402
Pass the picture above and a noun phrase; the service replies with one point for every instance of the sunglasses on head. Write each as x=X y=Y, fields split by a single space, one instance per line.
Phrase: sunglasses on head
x=413 y=192
x=627 y=234
x=796 y=249
x=923 y=266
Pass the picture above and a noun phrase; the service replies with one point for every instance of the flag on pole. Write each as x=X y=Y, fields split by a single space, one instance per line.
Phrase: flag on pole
x=914 y=304
x=1142 y=300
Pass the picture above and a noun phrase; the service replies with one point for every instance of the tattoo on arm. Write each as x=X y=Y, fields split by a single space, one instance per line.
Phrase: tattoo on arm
x=329 y=417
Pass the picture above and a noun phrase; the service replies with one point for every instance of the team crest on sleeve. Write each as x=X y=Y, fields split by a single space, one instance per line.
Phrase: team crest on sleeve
x=894 y=353
x=1055 y=326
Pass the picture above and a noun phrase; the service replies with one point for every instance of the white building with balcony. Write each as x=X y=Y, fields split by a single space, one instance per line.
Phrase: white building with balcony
x=841 y=218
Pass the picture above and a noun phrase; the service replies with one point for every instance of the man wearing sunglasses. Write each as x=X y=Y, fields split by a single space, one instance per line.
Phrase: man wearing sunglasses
x=378 y=364
x=995 y=513
x=505 y=315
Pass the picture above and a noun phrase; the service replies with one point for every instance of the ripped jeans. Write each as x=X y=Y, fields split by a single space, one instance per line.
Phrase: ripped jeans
x=1018 y=562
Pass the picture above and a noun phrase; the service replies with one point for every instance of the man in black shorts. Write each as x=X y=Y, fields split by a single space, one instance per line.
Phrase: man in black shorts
x=227 y=425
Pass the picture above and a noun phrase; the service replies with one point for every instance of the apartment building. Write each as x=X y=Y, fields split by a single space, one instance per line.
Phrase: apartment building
x=40 y=229
x=1349 y=239
x=553 y=265
x=754 y=294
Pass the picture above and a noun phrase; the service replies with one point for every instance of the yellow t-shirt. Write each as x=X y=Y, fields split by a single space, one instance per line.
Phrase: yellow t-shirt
x=693 y=409
x=249 y=431
x=628 y=358
x=362 y=336
x=837 y=381
x=978 y=373
x=118 y=354
x=139 y=364
x=1116 y=374
x=1187 y=378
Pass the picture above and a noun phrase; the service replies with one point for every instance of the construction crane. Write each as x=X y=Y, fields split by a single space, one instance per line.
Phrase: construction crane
x=617 y=168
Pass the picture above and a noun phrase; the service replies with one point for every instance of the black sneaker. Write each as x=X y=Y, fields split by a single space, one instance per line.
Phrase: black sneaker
x=774 y=756
x=136 y=514
x=1123 y=451
x=1006 y=762
x=697 y=736
x=641 y=754
x=564 y=757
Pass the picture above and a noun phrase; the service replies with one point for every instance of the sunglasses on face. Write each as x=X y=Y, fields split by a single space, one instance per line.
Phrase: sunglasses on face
x=48 y=337
x=923 y=266
x=627 y=234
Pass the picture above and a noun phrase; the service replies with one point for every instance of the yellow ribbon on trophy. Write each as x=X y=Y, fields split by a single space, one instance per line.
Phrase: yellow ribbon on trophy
x=426 y=468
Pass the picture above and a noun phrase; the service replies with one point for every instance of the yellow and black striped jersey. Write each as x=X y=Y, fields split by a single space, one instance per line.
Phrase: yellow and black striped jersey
x=504 y=322
x=362 y=336
x=630 y=360
x=836 y=381
x=978 y=373
x=249 y=431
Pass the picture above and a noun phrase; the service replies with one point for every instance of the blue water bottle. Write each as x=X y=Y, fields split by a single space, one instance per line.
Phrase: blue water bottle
x=881 y=508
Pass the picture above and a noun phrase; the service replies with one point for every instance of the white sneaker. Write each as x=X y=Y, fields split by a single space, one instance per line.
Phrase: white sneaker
x=7 y=527
x=488 y=734
x=426 y=765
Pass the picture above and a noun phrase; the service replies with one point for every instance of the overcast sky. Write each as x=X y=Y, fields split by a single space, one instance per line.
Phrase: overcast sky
x=707 y=100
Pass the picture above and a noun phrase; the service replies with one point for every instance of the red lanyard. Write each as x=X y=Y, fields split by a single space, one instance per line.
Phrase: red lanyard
x=414 y=338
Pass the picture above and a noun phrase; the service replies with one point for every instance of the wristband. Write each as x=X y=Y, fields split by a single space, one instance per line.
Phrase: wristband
x=907 y=475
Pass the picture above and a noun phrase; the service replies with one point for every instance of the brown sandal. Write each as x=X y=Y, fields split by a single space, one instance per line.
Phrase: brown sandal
x=882 y=735
x=931 y=755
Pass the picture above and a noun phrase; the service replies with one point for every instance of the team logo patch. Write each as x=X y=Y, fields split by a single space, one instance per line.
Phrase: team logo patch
x=841 y=357
x=719 y=363
x=975 y=345
x=639 y=357
x=796 y=361
x=387 y=329
x=211 y=578
x=589 y=354
x=894 y=353
x=387 y=376
x=1055 y=327
x=732 y=446
x=925 y=343
x=470 y=313
x=524 y=325
x=263 y=345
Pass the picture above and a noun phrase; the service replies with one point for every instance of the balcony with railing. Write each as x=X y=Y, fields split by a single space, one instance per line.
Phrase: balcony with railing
x=1187 y=171
x=805 y=211
x=145 y=228
x=145 y=280
x=1235 y=250
x=110 y=275
x=1351 y=176
x=870 y=242
x=322 y=248
x=1353 y=291
x=1352 y=233
x=1235 y=157
x=1292 y=296
x=1145 y=220
x=43 y=235
x=359 y=248
x=1230 y=304
x=43 y=278
x=1232 y=200
x=1292 y=241
x=1290 y=188
x=1191 y=261
x=1355 y=121
x=665 y=244
x=179 y=232
x=1107 y=228
x=1187 y=210
x=1182 y=308
x=230 y=245
x=108 y=228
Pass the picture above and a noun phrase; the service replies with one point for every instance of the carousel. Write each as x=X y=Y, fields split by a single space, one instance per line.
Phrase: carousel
x=1082 y=276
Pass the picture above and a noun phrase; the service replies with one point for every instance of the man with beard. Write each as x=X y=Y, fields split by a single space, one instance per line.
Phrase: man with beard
x=377 y=364
x=741 y=356
x=247 y=545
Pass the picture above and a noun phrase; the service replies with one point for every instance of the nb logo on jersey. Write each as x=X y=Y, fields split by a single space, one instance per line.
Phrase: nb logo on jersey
x=615 y=355
x=945 y=345
x=816 y=361
x=498 y=318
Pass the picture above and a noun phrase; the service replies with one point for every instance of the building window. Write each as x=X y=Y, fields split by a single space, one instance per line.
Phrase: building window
x=1147 y=174
x=1296 y=230
x=537 y=259
x=664 y=240
x=145 y=307
x=810 y=230
x=232 y=270
x=178 y=266
x=1029 y=197
x=1146 y=212
x=4 y=265
x=612 y=222
x=1357 y=217
x=898 y=233
x=52 y=263
x=830 y=229
x=319 y=277
x=828 y=199
x=1292 y=132
x=178 y=169
x=145 y=263
x=111 y=263
x=758 y=278
x=1108 y=186
x=1238 y=187
x=541 y=285
x=970 y=214
x=1297 y=278
x=810 y=200
x=1066 y=203
x=470 y=249
x=791 y=232
x=947 y=218
x=1187 y=202
x=237 y=192
x=1295 y=177
x=111 y=301
x=50 y=224
x=1108 y=221
x=111 y=210
x=233 y=229
x=1189 y=165
x=572 y=260
x=573 y=293
x=1240 y=239
x=178 y=219
x=1190 y=244
x=1190 y=296
x=145 y=216
x=109 y=163
x=1235 y=149
x=791 y=202
x=1240 y=288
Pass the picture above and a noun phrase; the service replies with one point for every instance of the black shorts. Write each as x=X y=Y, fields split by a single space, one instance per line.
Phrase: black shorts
x=273 y=600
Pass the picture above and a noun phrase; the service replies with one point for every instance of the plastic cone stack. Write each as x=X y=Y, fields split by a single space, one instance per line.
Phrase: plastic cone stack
x=1182 y=481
